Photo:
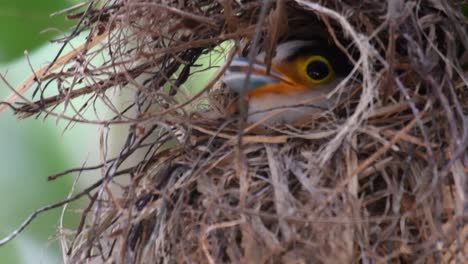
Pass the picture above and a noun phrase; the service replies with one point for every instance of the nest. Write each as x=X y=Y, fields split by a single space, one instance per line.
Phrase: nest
x=379 y=178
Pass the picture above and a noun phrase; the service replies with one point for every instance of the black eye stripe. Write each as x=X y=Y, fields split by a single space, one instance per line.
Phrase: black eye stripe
x=341 y=64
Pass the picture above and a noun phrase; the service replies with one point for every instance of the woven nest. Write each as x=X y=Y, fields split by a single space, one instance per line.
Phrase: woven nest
x=382 y=177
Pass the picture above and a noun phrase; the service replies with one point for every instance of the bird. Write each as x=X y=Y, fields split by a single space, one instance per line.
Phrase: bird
x=302 y=74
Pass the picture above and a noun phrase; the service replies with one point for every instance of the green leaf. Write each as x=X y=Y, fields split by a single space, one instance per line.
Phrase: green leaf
x=21 y=24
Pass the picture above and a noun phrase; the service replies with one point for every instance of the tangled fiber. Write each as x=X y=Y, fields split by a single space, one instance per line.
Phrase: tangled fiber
x=381 y=177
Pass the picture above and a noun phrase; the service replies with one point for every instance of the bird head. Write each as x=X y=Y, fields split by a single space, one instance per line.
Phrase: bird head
x=300 y=70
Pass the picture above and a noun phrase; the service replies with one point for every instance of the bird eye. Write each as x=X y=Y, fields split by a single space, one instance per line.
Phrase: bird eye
x=318 y=69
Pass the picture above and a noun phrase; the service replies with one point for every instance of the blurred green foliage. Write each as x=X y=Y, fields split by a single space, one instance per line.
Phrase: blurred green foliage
x=22 y=21
x=29 y=153
x=30 y=150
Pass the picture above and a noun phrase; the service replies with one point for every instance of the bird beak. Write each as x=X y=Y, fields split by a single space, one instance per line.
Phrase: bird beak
x=236 y=75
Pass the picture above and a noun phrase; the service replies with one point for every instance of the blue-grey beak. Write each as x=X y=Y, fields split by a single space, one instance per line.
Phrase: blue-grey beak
x=236 y=74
